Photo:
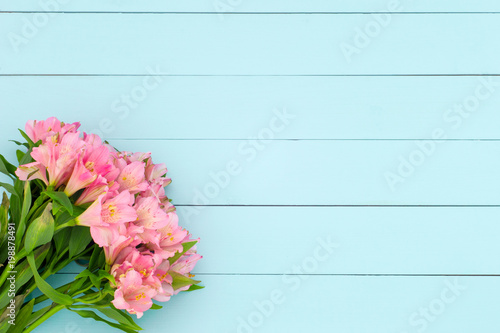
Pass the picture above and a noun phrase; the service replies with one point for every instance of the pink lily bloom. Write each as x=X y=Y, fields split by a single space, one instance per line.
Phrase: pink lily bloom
x=155 y=171
x=185 y=264
x=35 y=169
x=92 y=215
x=166 y=280
x=94 y=162
x=149 y=213
x=132 y=295
x=172 y=234
x=137 y=157
x=59 y=157
x=114 y=248
x=105 y=229
x=119 y=209
x=94 y=190
x=131 y=258
x=132 y=178
x=80 y=178
x=41 y=130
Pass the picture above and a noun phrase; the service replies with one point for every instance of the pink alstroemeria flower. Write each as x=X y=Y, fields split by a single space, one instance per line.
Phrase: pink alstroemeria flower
x=80 y=178
x=132 y=295
x=132 y=178
x=92 y=215
x=94 y=162
x=106 y=218
x=119 y=209
x=59 y=158
x=143 y=262
x=185 y=264
x=166 y=280
x=35 y=169
x=149 y=213
x=41 y=130
x=94 y=190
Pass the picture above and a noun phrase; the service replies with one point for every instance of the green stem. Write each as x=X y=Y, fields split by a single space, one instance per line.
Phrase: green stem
x=62 y=288
x=37 y=204
x=35 y=315
x=91 y=298
x=70 y=223
x=43 y=318
x=44 y=276
x=6 y=271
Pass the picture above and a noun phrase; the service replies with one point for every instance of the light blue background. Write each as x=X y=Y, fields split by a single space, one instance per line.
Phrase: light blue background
x=197 y=82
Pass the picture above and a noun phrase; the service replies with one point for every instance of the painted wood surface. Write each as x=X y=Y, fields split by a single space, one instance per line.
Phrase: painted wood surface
x=245 y=6
x=361 y=186
x=357 y=240
x=373 y=107
x=240 y=303
x=187 y=44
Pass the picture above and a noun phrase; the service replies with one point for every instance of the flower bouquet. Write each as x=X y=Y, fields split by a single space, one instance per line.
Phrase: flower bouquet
x=76 y=198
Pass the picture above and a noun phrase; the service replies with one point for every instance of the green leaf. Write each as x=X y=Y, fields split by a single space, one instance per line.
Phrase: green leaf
x=156 y=307
x=96 y=281
x=22 y=317
x=94 y=258
x=56 y=207
x=101 y=261
x=185 y=247
x=83 y=274
x=26 y=201
x=93 y=315
x=7 y=168
x=180 y=280
x=20 y=143
x=40 y=231
x=120 y=316
x=45 y=287
x=20 y=154
x=24 y=274
x=27 y=138
x=75 y=286
x=105 y=275
x=61 y=239
x=79 y=239
x=9 y=189
x=63 y=218
x=35 y=315
x=62 y=199
x=4 y=215
x=194 y=287
x=27 y=157
x=18 y=302
x=21 y=228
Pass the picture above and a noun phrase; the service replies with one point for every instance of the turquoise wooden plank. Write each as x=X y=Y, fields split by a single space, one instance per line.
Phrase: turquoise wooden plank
x=253 y=172
x=253 y=6
x=328 y=172
x=326 y=303
x=293 y=44
x=238 y=107
x=354 y=240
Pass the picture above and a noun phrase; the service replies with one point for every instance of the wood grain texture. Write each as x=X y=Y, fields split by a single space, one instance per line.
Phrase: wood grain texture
x=328 y=303
x=293 y=44
x=198 y=82
x=244 y=172
x=244 y=6
x=380 y=107
x=328 y=172
x=344 y=240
